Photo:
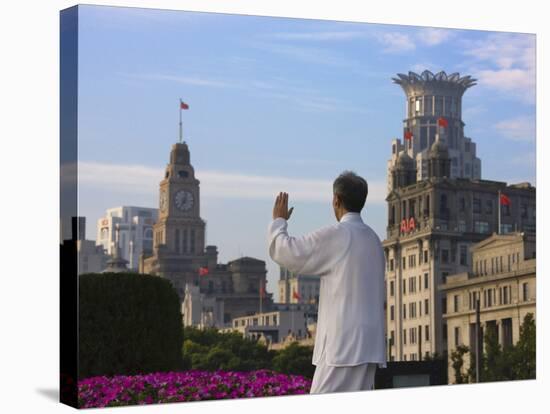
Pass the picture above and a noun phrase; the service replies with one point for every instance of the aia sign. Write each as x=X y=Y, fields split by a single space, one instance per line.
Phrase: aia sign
x=407 y=225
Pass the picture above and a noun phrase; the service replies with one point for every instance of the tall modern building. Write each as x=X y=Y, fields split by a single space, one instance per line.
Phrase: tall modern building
x=179 y=253
x=435 y=215
x=135 y=227
x=428 y=98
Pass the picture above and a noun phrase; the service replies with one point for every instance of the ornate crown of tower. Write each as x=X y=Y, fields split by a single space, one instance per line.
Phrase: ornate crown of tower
x=429 y=98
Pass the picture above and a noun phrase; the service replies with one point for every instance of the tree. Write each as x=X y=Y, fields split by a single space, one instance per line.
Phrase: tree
x=525 y=351
x=457 y=358
x=295 y=359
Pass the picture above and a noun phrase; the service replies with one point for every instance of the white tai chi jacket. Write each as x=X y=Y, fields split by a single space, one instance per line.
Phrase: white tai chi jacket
x=349 y=259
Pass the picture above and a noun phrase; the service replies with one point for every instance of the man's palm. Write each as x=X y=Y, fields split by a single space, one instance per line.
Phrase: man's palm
x=280 y=209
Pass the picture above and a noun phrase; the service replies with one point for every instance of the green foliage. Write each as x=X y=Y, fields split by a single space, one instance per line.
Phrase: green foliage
x=524 y=355
x=295 y=359
x=210 y=350
x=511 y=363
x=128 y=324
x=458 y=362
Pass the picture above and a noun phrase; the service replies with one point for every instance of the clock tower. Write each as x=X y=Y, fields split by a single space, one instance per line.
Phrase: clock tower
x=179 y=234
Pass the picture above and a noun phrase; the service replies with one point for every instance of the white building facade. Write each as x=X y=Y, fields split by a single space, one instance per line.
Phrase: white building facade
x=136 y=231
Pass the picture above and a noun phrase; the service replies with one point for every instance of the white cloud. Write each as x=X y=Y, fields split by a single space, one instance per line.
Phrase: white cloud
x=187 y=80
x=395 y=42
x=144 y=180
x=506 y=63
x=521 y=128
x=305 y=53
x=433 y=37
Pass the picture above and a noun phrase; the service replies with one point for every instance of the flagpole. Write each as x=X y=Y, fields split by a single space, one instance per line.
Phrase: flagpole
x=261 y=294
x=181 y=134
x=498 y=201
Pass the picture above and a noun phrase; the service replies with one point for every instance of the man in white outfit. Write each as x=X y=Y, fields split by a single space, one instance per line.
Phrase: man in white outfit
x=349 y=259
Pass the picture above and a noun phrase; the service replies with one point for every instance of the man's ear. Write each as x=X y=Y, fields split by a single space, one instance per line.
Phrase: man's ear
x=336 y=201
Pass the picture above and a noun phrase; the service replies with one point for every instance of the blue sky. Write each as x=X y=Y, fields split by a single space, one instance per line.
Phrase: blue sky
x=277 y=105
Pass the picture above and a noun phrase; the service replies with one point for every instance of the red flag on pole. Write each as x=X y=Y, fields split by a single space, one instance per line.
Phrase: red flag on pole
x=442 y=122
x=203 y=271
x=505 y=200
x=262 y=290
x=296 y=295
x=183 y=105
x=408 y=135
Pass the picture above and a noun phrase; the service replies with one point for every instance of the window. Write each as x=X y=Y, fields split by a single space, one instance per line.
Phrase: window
x=448 y=106
x=426 y=306
x=418 y=105
x=523 y=210
x=481 y=226
x=488 y=206
x=423 y=137
x=404 y=311
x=457 y=336
x=462 y=226
x=391 y=264
x=392 y=313
x=463 y=255
x=477 y=206
x=404 y=263
x=444 y=305
x=177 y=241
x=404 y=337
x=427 y=332
x=404 y=286
x=462 y=204
x=425 y=256
x=427 y=210
x=444 y=256
x=505 y=295
x=391 y=288
x=428 y=105
x=455 y=303
x=525 y=291
x=420 y=307
x=426 y=281
x=438 y=108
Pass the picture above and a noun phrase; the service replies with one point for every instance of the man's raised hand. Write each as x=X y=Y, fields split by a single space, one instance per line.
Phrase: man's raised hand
x=280 y=209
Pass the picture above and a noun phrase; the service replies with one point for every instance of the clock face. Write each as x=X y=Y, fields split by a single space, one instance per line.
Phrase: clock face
x=163 y=202
x=183 y=200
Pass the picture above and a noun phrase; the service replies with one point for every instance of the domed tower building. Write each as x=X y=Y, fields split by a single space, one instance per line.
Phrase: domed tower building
x=430 y=97
x=438 y=207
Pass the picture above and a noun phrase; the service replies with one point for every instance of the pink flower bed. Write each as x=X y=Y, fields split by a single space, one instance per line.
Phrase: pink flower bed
x=193 y=385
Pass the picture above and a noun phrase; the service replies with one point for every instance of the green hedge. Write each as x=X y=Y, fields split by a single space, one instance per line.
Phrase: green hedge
x=129 y=323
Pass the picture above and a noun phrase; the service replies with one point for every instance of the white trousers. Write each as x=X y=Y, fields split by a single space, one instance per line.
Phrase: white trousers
x=337 y=379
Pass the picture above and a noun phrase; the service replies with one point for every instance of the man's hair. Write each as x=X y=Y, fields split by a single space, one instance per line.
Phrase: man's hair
x=352 y=191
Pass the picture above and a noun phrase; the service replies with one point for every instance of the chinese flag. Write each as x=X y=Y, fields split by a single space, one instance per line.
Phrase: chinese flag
x=183 y=105
x=262 y=290
x=296 y=295
x=505 y=200
x=408 y=134
x=442 y=122
x=203 y=271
